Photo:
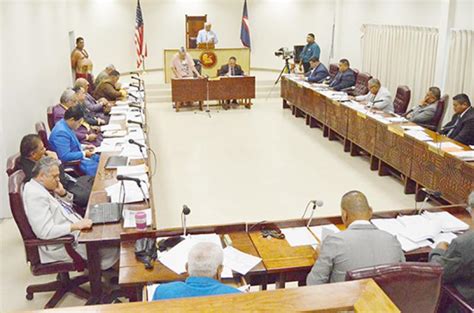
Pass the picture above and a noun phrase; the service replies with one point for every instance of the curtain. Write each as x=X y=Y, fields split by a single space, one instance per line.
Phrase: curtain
x=460 y=74
x=400 y=55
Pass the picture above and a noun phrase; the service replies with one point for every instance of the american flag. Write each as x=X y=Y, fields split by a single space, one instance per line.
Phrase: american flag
x=245 y=27
x=140 y=44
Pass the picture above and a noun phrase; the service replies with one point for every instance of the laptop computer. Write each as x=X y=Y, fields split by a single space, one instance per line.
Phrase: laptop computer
x=104 y=213
x=115 y=161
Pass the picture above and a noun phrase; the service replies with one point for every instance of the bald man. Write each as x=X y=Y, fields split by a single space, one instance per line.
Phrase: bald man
x=360 y=245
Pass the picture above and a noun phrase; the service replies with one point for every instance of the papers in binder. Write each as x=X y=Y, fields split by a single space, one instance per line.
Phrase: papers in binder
x=299 y=236
x=129 y=217
x=322 y=231
x=239 y=261
x=417 y=228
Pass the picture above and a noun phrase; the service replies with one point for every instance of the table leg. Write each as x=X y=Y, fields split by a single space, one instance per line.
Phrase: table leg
x=200 y=105
x=285 y=104
x=177 y=106
x=95 y=273
x=280 y=283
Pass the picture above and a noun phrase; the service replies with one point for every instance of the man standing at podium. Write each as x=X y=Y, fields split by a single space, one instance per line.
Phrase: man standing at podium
x=206 y=35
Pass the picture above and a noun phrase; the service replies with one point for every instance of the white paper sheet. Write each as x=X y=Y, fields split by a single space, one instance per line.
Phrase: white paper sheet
x=412 y=127
x=132 y=191
x=464 y=155
x=447 y=145
x=239 y=261
x=129 y=217
x=299 y=236
x=418 y=134
x=328 y=229
x=132 y=170
x=448 y=222
x=443 y=237
x=114 y=133
x=417 y=228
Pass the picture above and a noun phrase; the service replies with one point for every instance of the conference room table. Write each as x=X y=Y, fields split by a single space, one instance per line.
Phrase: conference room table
x=108 y=235
x=355 y=296
x=225 y=88
x=390 y=149
x=281 y=263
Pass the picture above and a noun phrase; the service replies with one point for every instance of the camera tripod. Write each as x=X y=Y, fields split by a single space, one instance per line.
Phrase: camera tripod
x=287 y=68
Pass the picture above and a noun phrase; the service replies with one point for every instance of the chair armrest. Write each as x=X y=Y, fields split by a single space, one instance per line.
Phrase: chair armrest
x=72 y=167
x=67 y=241
x=453 y=294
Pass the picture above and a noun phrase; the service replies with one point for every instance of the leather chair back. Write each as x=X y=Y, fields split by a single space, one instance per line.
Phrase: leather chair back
x=402 y=99
x=362 y=84
x=50 y=117
x=333 y=69
x=15 y=193
x=42 y=133
x=13 y=164
x=356 y=73
x=440 y=112
x=412 y=286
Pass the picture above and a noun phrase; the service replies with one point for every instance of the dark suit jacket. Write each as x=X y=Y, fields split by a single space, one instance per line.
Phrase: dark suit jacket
x=458 y=264
x=464 y=130
x=318 y=74
x=225 y=69
x=343 y=80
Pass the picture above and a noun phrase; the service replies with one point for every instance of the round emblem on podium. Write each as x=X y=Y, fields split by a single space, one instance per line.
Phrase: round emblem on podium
x=208 y=59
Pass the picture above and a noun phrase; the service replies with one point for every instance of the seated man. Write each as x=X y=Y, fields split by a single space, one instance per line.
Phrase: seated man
x=68 y=99
x=32 y=150
x=98 y=107
x=461 y=126
x=378 y=97
x=457 y=259
x=345 y=78
x=425 y=111
x=64 y=142
x=52 y=217
x=231 y=68
x=206 y=35
x=108 y=88
x=182 y=65
x=89 y=131
x=204 y=268
x=104 y=74
x=360 y=245
x=317 y=72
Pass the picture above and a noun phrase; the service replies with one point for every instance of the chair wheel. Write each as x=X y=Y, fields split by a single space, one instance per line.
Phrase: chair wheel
x=29 y=296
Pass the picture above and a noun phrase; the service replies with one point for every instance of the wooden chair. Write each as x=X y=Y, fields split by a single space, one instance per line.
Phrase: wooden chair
x=412 y=286
x=333 y=69
x=63 y=284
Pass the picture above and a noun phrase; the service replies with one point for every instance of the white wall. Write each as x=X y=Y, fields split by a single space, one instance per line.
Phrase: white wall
x=35 y=47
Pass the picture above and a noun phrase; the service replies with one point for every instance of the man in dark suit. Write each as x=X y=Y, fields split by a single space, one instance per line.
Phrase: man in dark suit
x=461 y=126
x=231 y=68
x=317 y=72
x=345 y=78
x=457 y=260
x=32 y=150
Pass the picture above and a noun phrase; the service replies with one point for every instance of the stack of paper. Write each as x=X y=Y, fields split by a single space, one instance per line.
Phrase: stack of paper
x=446 y=146
x=299 y=236
x=117 y=118
x=322 y=231
x=122 y=103
x=132 y=191
x=110 y=127
x=464 y=155
x=418 y=134
x=417 y=228
x=129 y=217
x=397 y=119
x=238 y=261
x=132 y=170
x=114 y=133
x=121 y=110
x=443 y=237
x=136 y=134
x=133 y=152
x=448 y=222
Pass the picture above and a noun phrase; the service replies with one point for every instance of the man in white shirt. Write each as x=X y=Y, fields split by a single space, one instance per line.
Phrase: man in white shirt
x=360 y=245
x=378 y=98
x=206 y=35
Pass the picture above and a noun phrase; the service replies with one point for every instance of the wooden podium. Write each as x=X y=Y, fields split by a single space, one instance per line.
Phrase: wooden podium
x=206 y=46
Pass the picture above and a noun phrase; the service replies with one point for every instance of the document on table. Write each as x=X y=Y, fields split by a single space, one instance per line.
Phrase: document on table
x=464 y=155
x=443 y=237
x=418 y=134
x=446 y=146
x=299 y=236
x=239 y=261
x=110 y=127
x=322 y=231
x=412 y=127
x=448 y=222
x=133 y=152
x=122 y=103
x=397 y=119
x=132 y=170
x=136 y=134
x=417 y=228
x=132 y=191
x=135 y=117
x=119 y=110
x=108 y=148
x=114 y=133
x=129 y=217
x=117 y=118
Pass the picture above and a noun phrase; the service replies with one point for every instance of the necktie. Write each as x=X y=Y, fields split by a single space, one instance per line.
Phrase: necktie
x=453 y=127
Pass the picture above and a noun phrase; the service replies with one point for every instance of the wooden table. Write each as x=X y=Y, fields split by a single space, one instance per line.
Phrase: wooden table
x=391 y=151
x=358 y=296
x=107 y=235
x=281 y=263
x=241 y=88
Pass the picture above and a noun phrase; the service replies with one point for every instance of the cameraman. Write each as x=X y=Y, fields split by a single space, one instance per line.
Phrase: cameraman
x=309 y=51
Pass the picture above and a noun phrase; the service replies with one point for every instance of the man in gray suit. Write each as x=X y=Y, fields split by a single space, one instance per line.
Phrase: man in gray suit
x=360 y=245
x=52 y=217
x=425 y=111
x=457 y=259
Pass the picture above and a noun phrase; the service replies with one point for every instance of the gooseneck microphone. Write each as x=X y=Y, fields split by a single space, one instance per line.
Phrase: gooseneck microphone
x=316 y=203
x=122 y=177
x=184 y=213
x=428 y=194
x=133 y=142
x=135 y=122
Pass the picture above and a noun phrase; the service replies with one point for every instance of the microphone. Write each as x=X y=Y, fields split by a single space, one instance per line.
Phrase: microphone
x=135 y=106
x=133 y=96
x=133 y=142
x=122 y=177
x=136 y=73
x=316 y=203
x=184 y=213
x=135 y=122
x=429 y=193
x=134 y=85
x=136 y=78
